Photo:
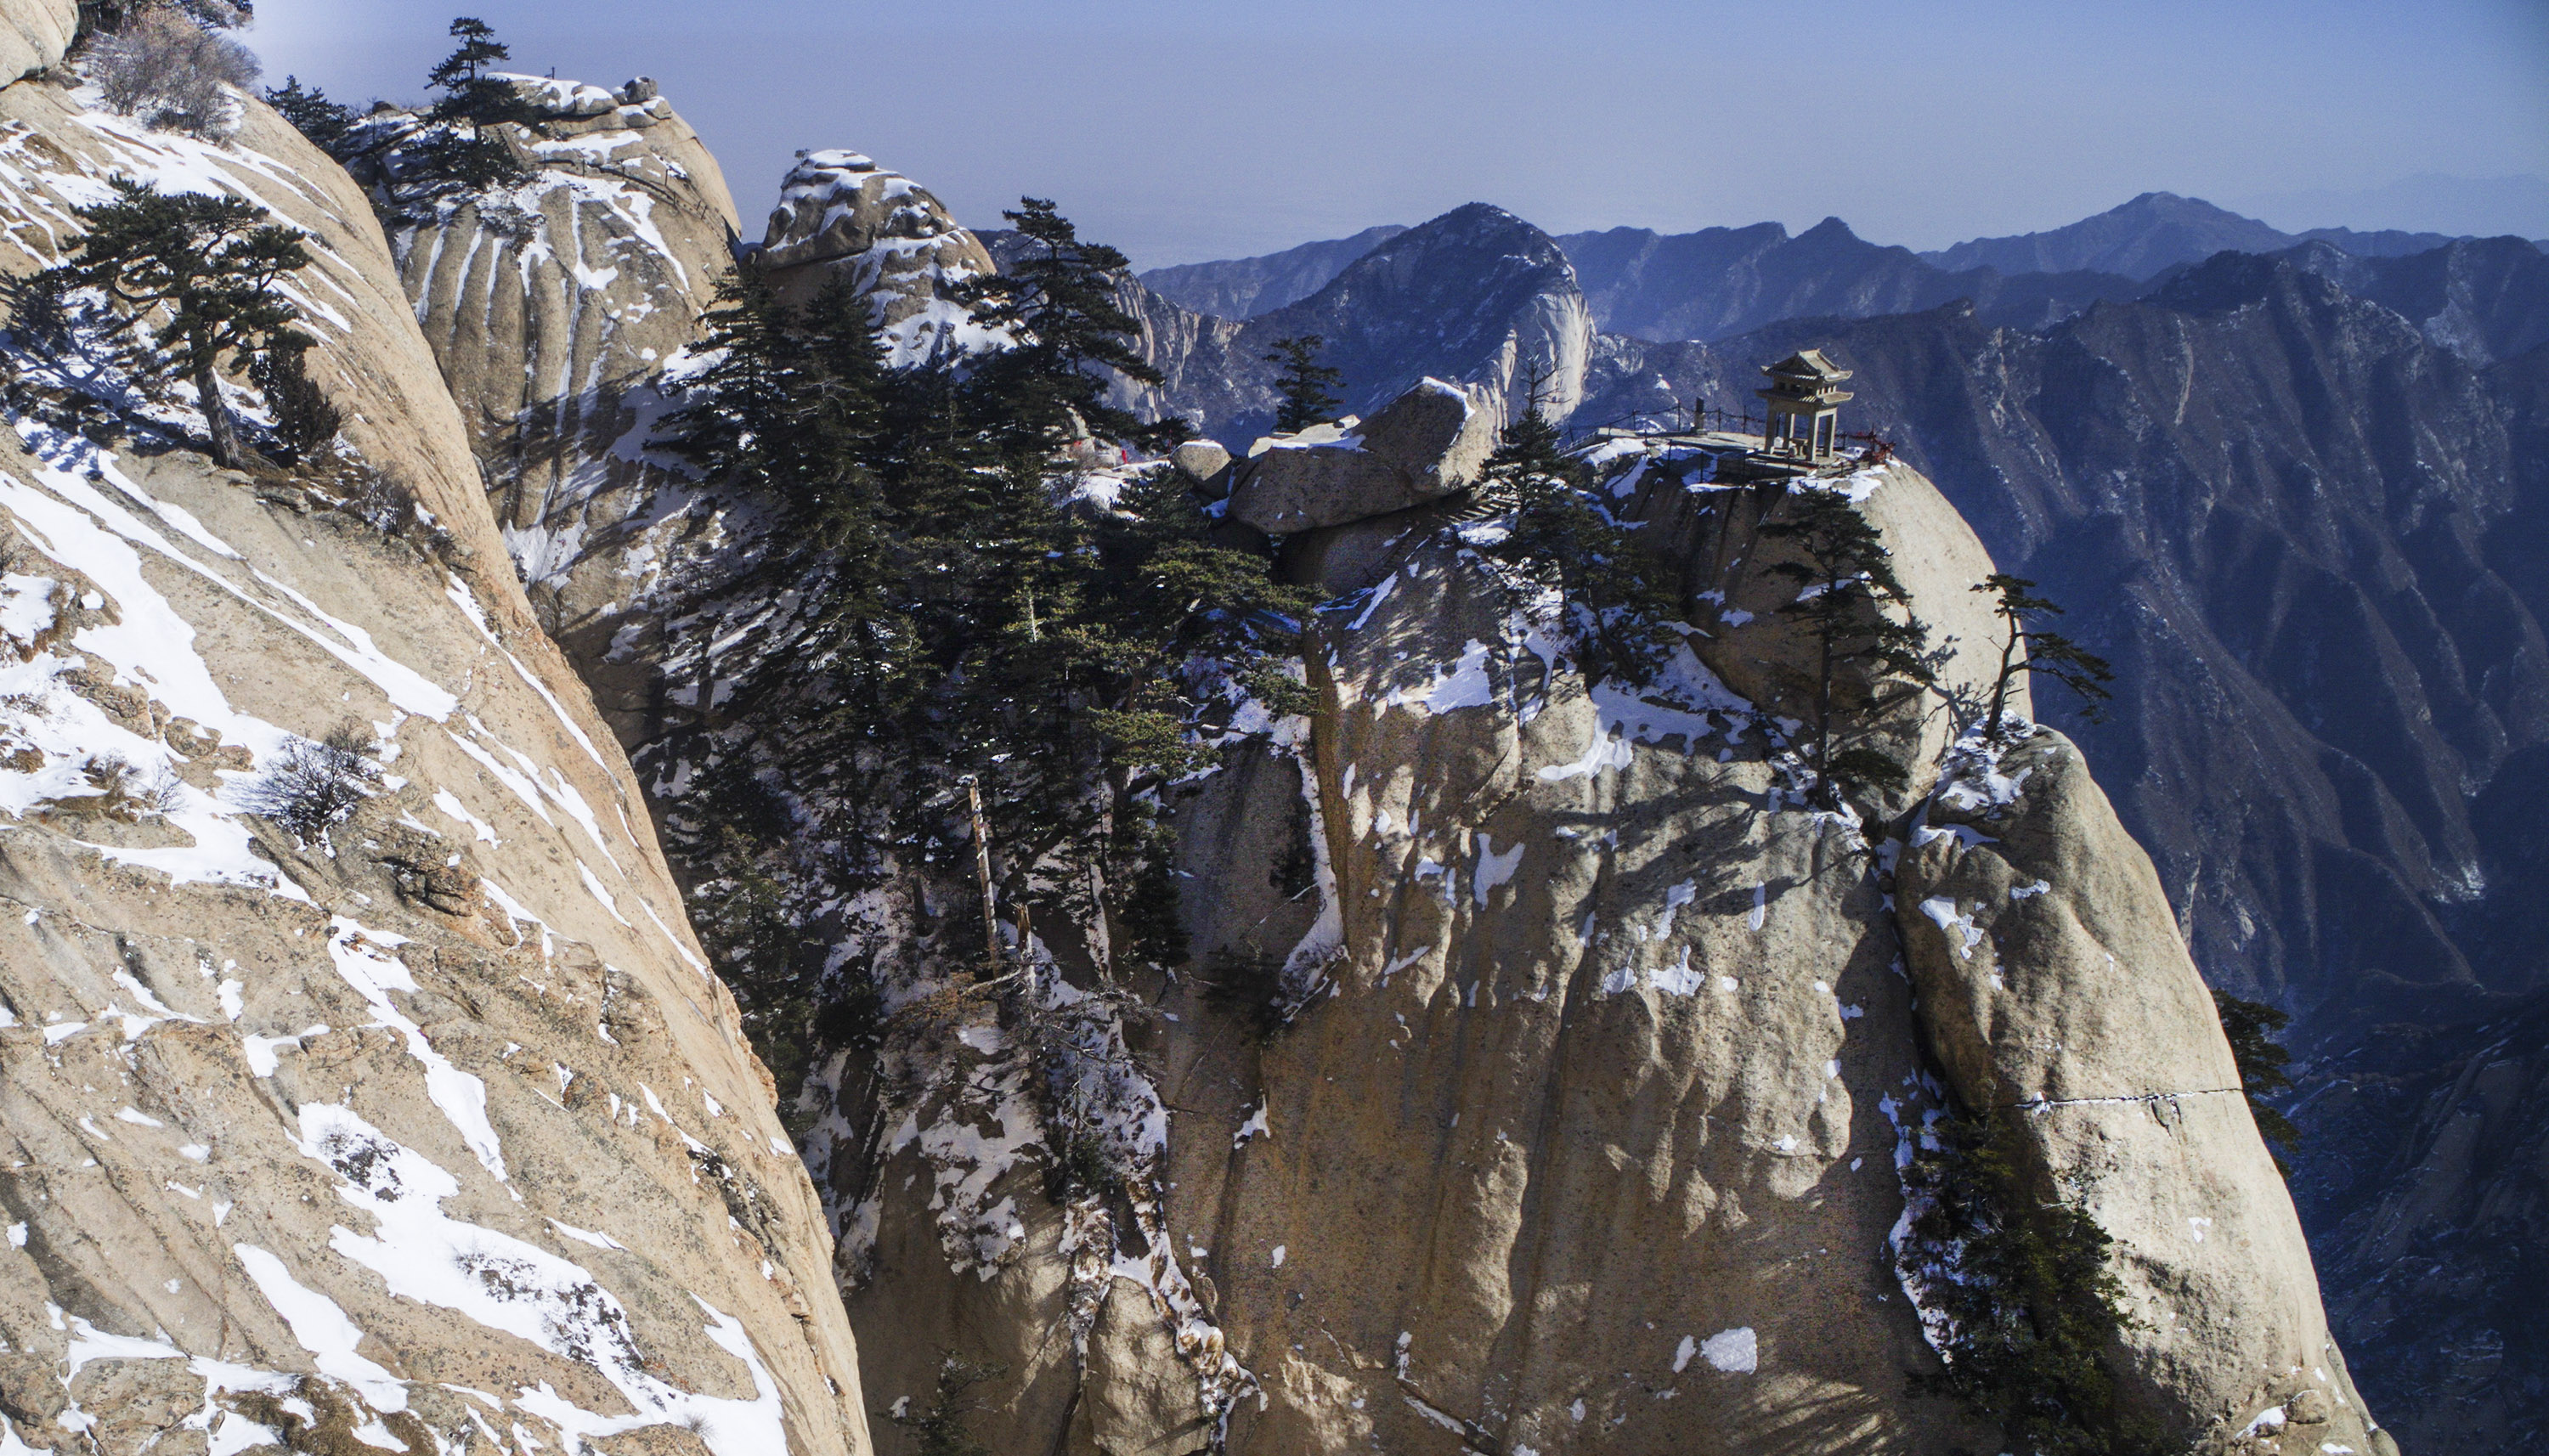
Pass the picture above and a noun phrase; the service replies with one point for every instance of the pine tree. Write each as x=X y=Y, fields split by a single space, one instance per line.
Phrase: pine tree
x=454 y=151
x=842 y=424
x=1849 y=598
x=738 y=413
x=1608 y=587
x=2250 y=1027
x=470 y=91
x=1304 y=384
x=2030 y=1302
x=967 y=612
x=1059 y=303
x=839 y=457
x=213 y=264
x=304 y=420
x=326 y=122
x=2046 y=654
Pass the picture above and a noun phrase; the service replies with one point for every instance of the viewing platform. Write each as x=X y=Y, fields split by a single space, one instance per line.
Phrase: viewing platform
x=1736 y=457
x=1798 y=436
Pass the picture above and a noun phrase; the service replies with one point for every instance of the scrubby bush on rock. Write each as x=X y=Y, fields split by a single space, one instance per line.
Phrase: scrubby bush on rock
x=313 y=787
x=939 y=1429
x=172 y=72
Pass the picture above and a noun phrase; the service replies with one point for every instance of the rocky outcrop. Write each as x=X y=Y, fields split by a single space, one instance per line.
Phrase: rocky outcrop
x=1737 y=592
x=554 y=305
x=2301 y=843
x=2306 y=537
x=842 y=217
x=1424 y=446
x=35 y=35
x=2051 y=980
x=415 y=1129
x=556 y=309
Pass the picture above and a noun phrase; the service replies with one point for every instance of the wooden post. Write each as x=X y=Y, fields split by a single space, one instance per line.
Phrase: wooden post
x=983 y=871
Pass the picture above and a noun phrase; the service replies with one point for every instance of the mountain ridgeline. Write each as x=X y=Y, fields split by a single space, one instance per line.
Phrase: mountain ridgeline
x=833 y=843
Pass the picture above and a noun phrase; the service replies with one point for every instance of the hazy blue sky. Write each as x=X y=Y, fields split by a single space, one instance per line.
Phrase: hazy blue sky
x=1200 y=129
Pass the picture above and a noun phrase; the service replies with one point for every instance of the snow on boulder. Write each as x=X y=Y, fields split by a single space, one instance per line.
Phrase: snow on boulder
x=1200 y=461
x=1424 y=446
x=838 y=213
x=547 y=96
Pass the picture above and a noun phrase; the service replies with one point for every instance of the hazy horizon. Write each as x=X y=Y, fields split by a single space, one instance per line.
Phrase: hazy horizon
x=1182 y=134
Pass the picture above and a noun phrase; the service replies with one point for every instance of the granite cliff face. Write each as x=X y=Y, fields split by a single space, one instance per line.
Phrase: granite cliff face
x=2309 y=536
x=423 y=1131
x=553 y=308
x=2052 y=979
x=1587 y=1138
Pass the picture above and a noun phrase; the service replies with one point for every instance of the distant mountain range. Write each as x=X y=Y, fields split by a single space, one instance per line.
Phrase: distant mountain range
x=1720 y=282
x=1476 y=295
x=1243 y=288
x=2157 y=232
x=1723 y=281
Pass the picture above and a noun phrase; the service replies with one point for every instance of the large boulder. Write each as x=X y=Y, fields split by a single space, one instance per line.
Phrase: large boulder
x=842 y=215
x=1426 y=444
x=1200 y=461
x=35 y=35
x=1358 y=555
x=2052 y=980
